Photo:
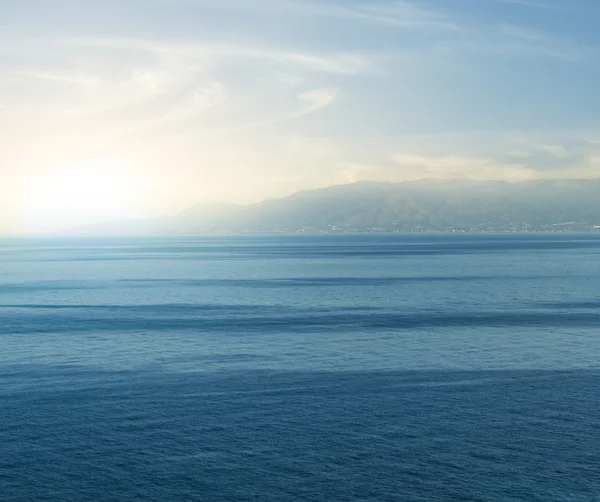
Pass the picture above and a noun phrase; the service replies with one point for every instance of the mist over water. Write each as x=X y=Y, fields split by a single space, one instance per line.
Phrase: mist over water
x=348 y=367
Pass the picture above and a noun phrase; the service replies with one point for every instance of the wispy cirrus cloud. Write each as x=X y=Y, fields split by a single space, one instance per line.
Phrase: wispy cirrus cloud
x=392 y=13
x=541 y=4
x=158 y=83
x=404 y=15
x=307 y=102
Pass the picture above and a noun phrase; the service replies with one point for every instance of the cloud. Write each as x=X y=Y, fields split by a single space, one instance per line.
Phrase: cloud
x=196 y=102
x=540 y=4
x=208 y=50
x=76 y=79
x=392 y=13
x=133 y=84
x=411 y=167
x=405 y=15
x=522 y=33
x=70 y=86
x=515 y=158
x=99 y=76
x=312 y=101
x=557 y=151
x=457 y=167
x=528 y=41
x=316 y=99
x=291 y=80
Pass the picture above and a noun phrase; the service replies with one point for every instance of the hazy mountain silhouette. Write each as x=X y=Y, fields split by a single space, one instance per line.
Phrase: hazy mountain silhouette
x=429 y=205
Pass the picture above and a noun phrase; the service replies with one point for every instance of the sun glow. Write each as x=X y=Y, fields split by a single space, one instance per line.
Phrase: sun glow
x=82 y=194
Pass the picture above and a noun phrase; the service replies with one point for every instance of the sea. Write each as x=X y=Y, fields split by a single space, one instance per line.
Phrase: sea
x=373 y=367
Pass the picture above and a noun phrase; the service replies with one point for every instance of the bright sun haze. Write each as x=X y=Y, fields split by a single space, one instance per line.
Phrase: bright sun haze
x=87 y=192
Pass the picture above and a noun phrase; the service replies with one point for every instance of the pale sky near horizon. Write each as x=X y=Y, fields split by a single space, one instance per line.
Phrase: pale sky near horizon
x=135 y=108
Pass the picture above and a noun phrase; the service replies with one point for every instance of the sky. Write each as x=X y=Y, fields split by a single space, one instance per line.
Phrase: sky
x=113 y=109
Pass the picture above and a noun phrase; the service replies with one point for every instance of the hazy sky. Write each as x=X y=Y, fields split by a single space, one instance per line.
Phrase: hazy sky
x=133 y=108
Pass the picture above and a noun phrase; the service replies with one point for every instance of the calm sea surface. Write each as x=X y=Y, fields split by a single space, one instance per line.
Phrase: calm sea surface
x=314 y=368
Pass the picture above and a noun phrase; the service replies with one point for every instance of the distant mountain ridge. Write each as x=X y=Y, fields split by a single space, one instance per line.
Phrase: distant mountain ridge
x=417 y=206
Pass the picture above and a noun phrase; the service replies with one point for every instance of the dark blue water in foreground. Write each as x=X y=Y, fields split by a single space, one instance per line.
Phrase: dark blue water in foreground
x=330 y=368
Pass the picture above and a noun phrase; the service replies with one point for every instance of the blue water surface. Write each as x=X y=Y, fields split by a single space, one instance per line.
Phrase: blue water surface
x=314 y=368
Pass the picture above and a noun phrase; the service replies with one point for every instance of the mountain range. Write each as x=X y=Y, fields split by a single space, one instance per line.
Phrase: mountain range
x=418 y=206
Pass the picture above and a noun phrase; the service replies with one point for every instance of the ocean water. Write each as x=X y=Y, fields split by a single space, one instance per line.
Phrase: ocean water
x=313 y=368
